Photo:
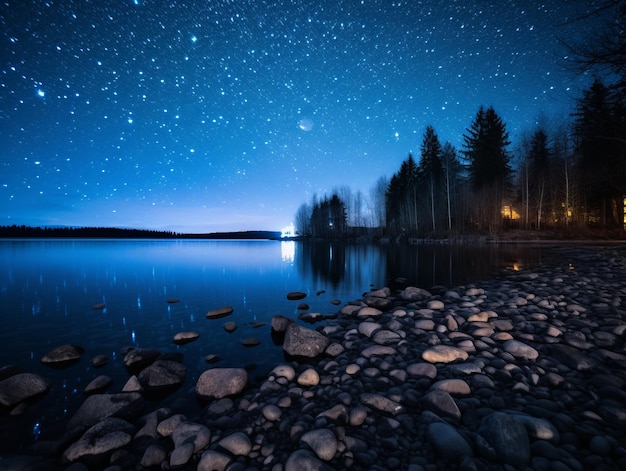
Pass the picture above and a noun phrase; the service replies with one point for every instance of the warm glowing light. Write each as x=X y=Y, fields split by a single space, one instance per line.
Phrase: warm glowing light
x=510 y=212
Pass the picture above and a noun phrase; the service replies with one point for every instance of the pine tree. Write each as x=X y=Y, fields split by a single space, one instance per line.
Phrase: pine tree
x=600 y=140
x=488 y=164
x=431 y=170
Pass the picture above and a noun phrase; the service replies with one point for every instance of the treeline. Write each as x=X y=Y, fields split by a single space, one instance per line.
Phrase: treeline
x=567 y=177
x=83 y=232
x=22 y=231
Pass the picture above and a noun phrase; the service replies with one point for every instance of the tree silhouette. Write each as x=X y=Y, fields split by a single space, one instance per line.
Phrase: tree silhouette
x=488 y=163
x=431 y=172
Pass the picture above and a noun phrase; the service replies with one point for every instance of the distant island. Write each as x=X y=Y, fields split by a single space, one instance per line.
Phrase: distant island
x=22 y=231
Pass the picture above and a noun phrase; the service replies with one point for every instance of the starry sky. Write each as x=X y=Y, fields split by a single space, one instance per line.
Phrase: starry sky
x=221 y=115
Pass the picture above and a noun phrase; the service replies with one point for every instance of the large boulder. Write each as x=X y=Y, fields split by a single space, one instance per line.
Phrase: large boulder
x=303 y=342
x=21 y=387
x=102 y=438
x=100 y=406
x=412 y=293
x=217 y=383
x=62 y=356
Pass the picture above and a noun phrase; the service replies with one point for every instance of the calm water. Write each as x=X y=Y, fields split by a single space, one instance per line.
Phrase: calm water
x=48 y=289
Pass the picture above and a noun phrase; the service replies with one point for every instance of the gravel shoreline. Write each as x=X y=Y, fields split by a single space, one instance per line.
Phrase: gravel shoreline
x=524 y=371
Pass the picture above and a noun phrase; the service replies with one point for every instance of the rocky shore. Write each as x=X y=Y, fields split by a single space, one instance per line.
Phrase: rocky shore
x=526 y=371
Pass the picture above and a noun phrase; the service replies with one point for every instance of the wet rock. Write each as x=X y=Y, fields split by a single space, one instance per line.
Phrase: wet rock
x=63 y=355
x=98 y=385
x=219 y=312
x=230 y=326
x=100 y=406
x=280 y=323
x=303 y=342
x=309 y=377
x=250 y=342
x=162 y=374
x=138 y=358
x=99 y=361
x=296 y=295
x=21 y=387
x=181 y=338
x=102 y=438
x=573 y=358
x=221 y=382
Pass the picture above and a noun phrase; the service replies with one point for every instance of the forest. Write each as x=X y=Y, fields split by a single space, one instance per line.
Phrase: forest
x=569 y=177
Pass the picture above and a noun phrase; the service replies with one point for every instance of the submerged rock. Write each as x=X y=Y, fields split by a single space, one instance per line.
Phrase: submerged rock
x=64 y=355
x=219 y=312
x=21 y=387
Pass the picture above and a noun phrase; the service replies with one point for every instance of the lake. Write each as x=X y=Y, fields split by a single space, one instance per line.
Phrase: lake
x=49 y=288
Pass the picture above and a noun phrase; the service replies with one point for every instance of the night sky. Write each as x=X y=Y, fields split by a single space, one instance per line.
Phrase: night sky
x=218 y=115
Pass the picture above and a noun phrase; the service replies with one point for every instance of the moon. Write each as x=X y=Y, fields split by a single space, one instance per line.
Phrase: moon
x=306 y=124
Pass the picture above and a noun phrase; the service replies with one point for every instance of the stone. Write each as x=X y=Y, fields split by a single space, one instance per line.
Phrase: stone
x=98 y=385
x=284 y=371
x=322 y=441
x=378 y=350
x=271 y=412
x=369 y=311
x=506 y=438
x=230 y=326
x=22 y=387
x=453 y=386
x=166 y=427
x=280 y=323
x=250 y=342
x=182 y=338
x=181 y=455
x=444 y=354
x=435 y=305
x=381 y=403
x=309 y=377
x=368 y=328
x=448 y=442
x=237 y=444
x=100 y=406
x=138 y=358
x=162 y=374
x=412 y=294
x=63 y=355
x=189 y=432
x=296 y=295
x=422 y=369
x=302 y=342
x=99 y=361
x=520 y=350
x=442 y=404
x=105 y=436
x=132 y=385
x=154 y=455
x=573 y=358
x=304 y=460
x=219 y=312
x=221 y=382
x=213 y=461
x=538 y=428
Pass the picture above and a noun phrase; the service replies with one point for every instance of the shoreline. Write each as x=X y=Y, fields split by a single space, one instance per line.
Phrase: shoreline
x=538 y=353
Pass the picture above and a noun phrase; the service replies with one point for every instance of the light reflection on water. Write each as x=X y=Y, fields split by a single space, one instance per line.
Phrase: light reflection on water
x=49 y=289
